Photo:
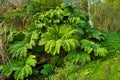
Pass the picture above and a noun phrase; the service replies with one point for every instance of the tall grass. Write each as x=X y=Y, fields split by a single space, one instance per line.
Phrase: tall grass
x=105 y=16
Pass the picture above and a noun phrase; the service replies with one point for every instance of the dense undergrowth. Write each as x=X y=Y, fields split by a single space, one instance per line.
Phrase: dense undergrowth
x=101 y=69
x=58 y=44
x=106 y=68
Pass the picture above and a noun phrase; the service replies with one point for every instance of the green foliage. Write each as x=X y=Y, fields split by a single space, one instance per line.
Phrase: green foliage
x=112 y=42
x=63 y=32
x=77 y=57
x=95 y=34
x=21 y=60
x=18 y=49
x=55 y=34
x=23 y=15
x=66 y=73
x=47 y=68
x=35 y=6
x=35 y=71
x=56 y=60
x=14 y=35
x=90 y=47
x=32 y=35
x=20 y=42
x=88 y=50
x=102 y=69
x=20 y=69
x=107 y=69
x=65 y=14
x=57 y=37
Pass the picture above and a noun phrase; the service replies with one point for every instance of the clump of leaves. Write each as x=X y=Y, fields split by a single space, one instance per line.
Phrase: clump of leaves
x=57 y=37
x=20 y=69
x=63 y=28
x=112 y=40
x=90 y=47
x=76 y=57
x=47 y=68
x=36 y=6
x=96 y=35
x=112 y=43
x=88 y=50
x=21 y=60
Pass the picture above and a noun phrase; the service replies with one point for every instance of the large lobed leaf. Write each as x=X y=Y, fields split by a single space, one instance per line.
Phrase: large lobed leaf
x=18 y=49
x=77 y=57
x=20 y=69
x=91 y=47
x=57 y=37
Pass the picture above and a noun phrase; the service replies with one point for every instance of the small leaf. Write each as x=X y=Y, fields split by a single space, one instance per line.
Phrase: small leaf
x=31 y=60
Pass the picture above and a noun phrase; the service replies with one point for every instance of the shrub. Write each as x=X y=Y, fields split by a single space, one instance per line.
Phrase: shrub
x=58 y=32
